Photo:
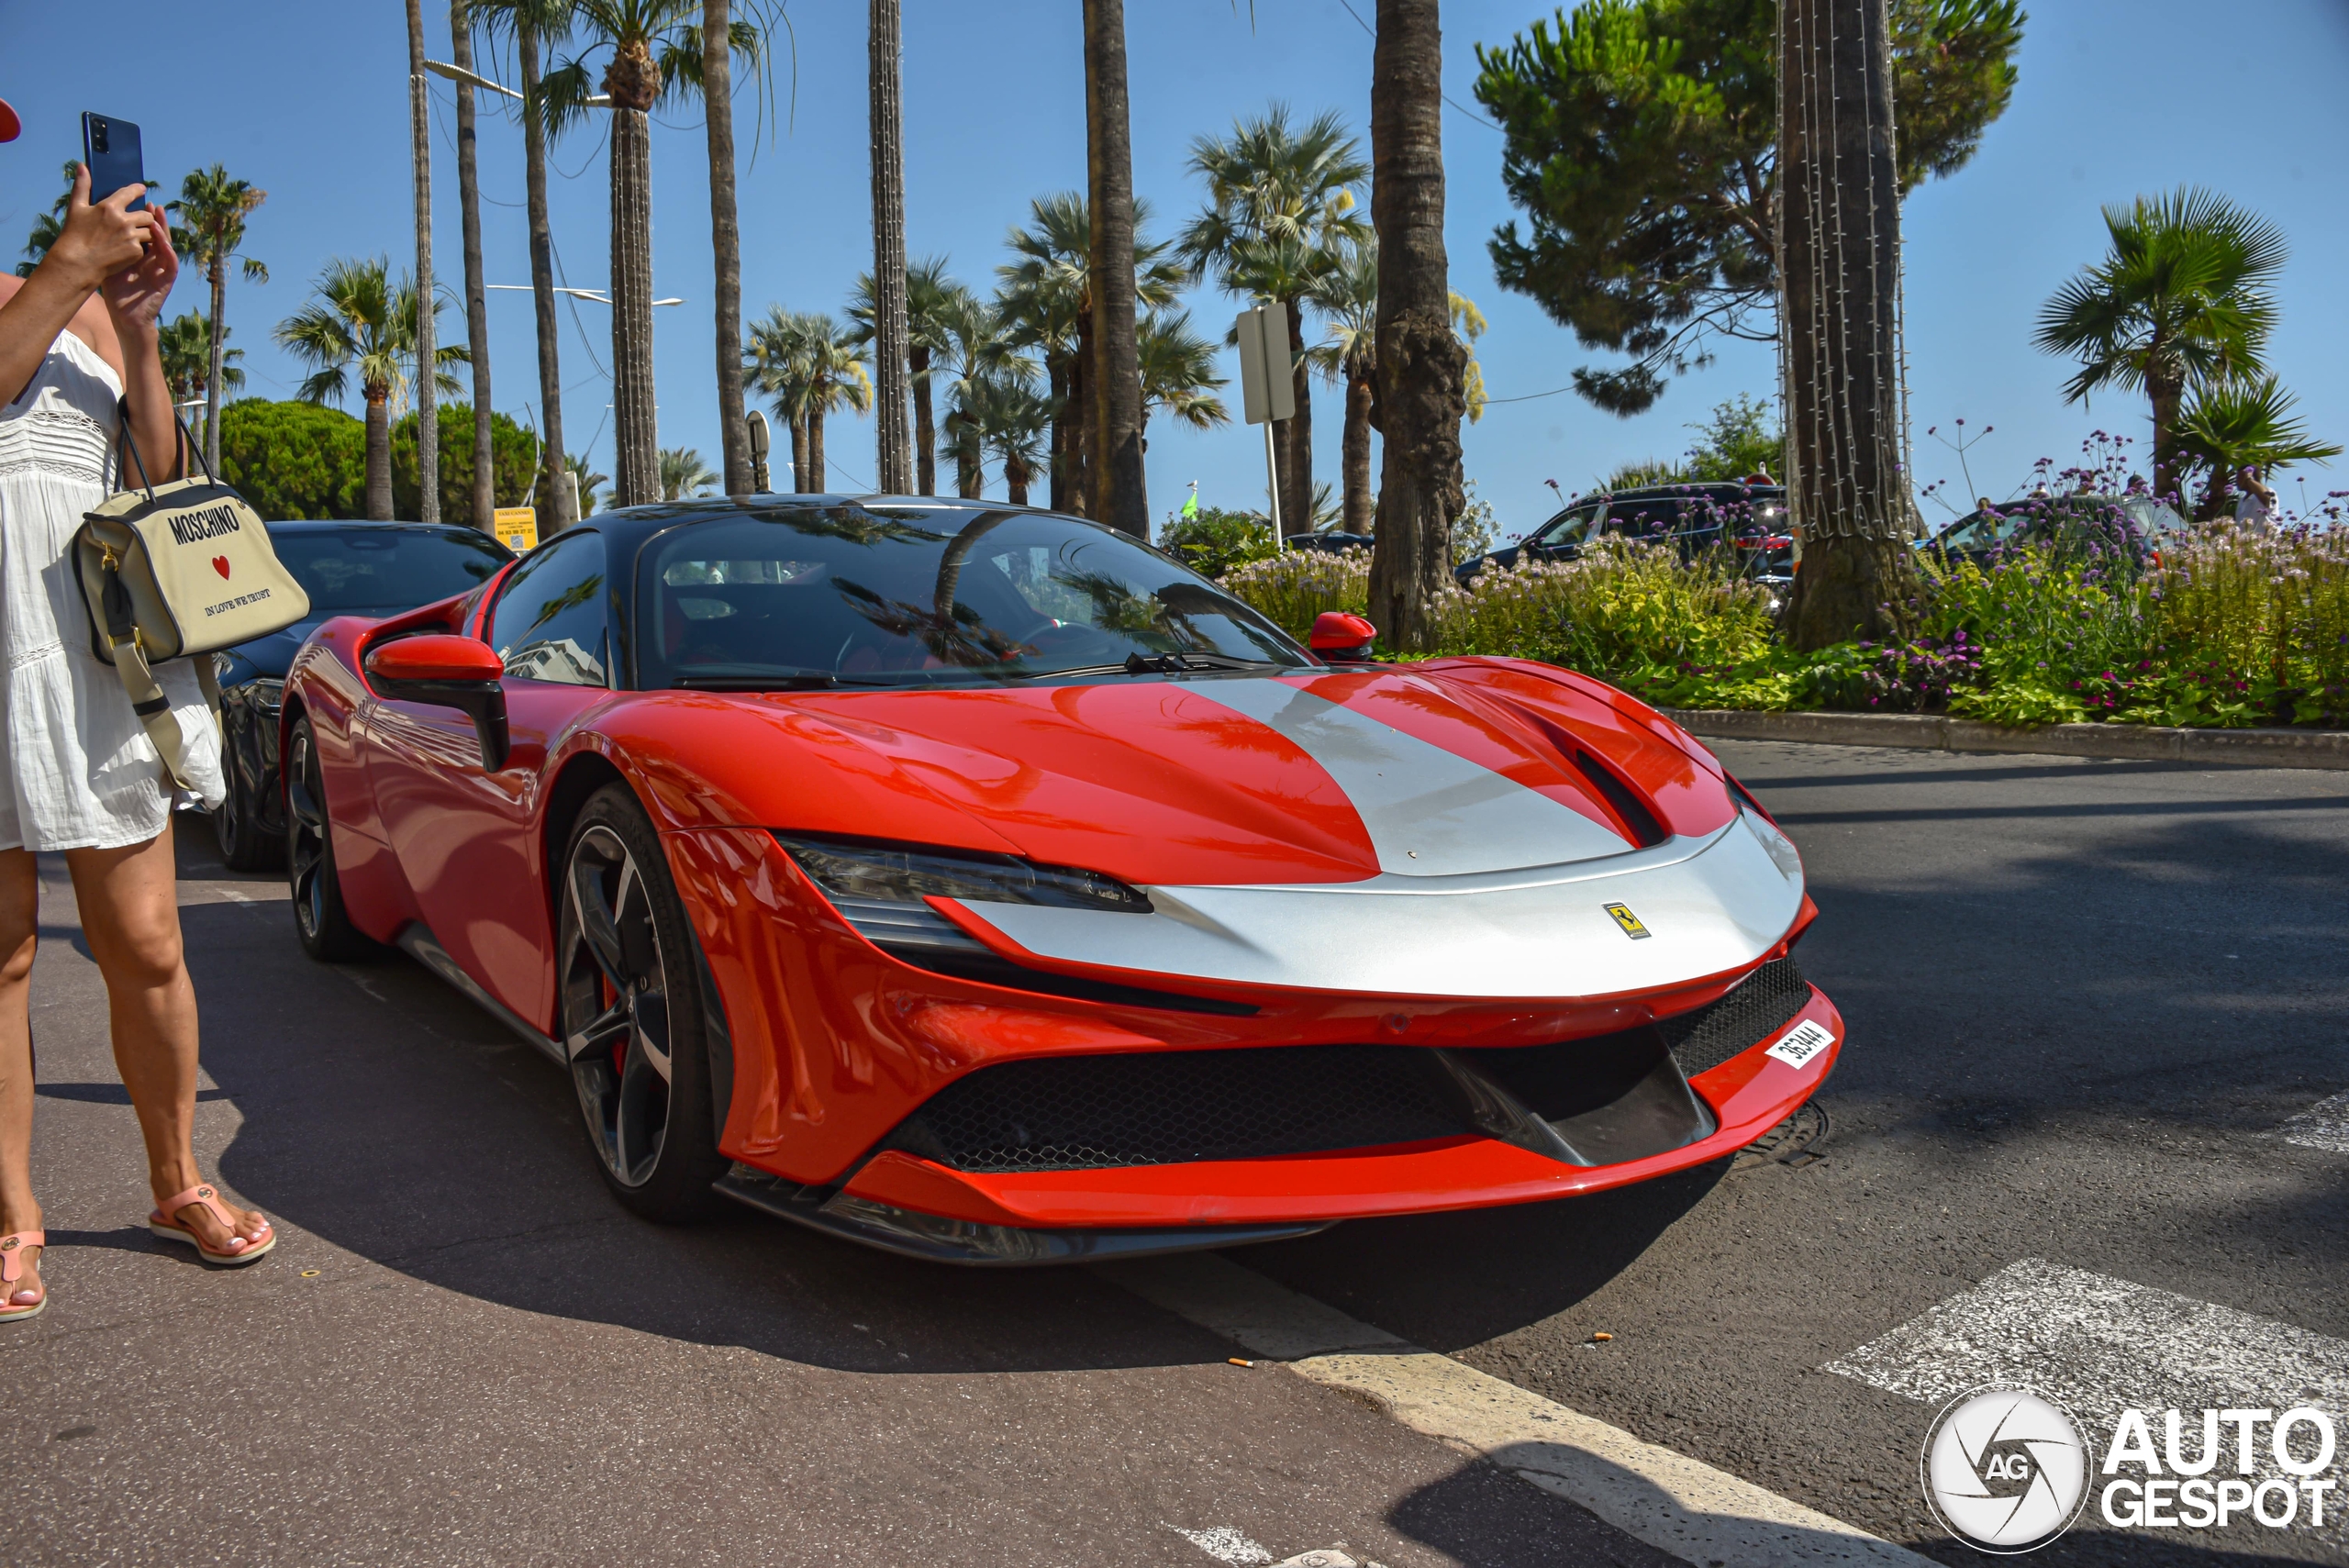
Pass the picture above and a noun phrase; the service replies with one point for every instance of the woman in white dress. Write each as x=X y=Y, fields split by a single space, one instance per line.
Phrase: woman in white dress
x=78 y=774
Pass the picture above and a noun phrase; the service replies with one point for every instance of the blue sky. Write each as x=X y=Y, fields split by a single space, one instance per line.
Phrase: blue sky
x=309 y=101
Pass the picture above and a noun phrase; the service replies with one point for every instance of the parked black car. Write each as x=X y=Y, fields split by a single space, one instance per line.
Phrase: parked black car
x=347 y=568
x=1329 y=541
x=1750 y=518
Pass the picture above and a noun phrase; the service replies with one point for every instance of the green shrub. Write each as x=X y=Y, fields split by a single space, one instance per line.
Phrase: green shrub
x=514 y=453
x=294 y=460
x=1293 y=587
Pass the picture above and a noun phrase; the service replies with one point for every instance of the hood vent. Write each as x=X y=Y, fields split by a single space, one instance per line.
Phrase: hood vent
x=1639 y=818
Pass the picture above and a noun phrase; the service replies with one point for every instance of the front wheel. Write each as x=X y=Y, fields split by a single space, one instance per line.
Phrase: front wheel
x=236 y=824
x=631 y=1014
x=319 y=919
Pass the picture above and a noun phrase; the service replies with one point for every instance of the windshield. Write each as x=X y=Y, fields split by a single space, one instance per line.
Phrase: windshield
x=910 y=595
x=385 y=569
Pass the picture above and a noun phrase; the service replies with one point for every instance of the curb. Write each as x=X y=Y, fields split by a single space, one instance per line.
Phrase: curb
x=1937 y=732
x=1676 y=1504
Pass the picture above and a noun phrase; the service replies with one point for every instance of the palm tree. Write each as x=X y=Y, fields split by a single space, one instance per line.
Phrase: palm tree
x=930 y=294
x=807 y=365
x=979 y=351
x=1280 y=218
x=358 y=323
x=1419 y=356
x=1178 y=371
x=725 y=242
x=1120 y=494
x=428 y=423
x=215 y=207
x=2185 y=298
x=586 y=479
x=461 y=53
x=684 y=473
x=50 y=225
x=536 y=23
x=2247 y=423
x=1002 y=414
x=894 y=473
x=186 y=346
x=1044 y=298
x=1347 y=354
x=656 y=59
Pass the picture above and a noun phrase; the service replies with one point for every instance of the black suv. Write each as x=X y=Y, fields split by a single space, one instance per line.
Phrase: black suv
x=1751 y=519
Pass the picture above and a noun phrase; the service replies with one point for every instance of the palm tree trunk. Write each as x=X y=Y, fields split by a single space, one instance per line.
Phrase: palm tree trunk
x=725 y=243
x=925 y=424
x=896 y=475
x=1016 y=476
x=816 y=450
x=2166 y=390
x=1081 y=444
x=1421 y=364
x=461 y=50
x=1120 y=494
x=218 y=277
x=379 y=454
x=799 y=484
x=1839 y=248
x=1354 y=463
x=1296 y=501
x=1062 y=458
x=555 y=507
x=428 y=400
x=636 y=457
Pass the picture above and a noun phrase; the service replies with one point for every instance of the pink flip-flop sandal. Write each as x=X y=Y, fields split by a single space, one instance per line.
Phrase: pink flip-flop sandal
x=12 y=1269
x=164 y=1222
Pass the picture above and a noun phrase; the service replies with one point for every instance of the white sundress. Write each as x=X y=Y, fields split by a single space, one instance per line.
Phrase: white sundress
x=76 y=768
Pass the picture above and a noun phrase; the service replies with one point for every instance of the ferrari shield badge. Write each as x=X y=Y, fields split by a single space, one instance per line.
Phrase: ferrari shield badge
x=1629 y=921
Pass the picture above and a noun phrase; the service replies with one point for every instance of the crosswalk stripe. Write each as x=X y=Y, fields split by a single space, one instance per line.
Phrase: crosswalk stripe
x=2325 y=1125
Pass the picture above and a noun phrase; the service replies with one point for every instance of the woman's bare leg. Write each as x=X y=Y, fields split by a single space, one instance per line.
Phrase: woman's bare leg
x=131 y=915
x=19 y=927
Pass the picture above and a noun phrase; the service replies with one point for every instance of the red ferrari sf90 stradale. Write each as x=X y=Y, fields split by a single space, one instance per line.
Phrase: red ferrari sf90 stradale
x=978 y=882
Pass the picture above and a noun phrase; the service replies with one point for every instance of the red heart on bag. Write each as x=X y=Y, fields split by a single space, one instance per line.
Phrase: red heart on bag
x=220 y=564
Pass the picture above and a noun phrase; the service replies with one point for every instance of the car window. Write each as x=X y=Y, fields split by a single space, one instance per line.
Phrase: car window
x=1569 y=527
x=385 y=570
x=912 y=596
x=549 y=624
x=1649 y=516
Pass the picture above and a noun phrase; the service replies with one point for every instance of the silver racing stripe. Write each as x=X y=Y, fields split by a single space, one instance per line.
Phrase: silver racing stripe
x=1428 y=812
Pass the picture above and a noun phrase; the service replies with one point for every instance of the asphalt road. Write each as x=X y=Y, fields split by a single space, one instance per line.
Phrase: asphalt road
x=463 y=1353
x=2083 y=998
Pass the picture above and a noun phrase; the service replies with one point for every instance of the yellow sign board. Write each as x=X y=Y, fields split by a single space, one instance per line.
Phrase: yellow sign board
x=516 y=528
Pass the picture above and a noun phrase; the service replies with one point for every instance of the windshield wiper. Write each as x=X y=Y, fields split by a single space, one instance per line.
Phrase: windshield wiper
x=774 y=680
x=1159 y=664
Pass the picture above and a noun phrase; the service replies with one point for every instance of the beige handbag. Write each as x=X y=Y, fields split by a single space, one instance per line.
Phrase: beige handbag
x=172 y=571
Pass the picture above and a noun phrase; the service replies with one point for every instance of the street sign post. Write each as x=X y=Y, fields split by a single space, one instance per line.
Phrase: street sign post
x=1267 y=393
x=516 y=528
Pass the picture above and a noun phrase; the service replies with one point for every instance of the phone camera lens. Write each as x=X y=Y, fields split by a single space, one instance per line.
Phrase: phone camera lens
x=98 y=137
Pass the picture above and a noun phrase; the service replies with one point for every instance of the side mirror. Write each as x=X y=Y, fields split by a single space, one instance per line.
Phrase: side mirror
x=448 y=671
x=1341 y=637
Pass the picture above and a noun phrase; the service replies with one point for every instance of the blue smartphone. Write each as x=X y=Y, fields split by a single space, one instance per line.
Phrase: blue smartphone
x=110 y=147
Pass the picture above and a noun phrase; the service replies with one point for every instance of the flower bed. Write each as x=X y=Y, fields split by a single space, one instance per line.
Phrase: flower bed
x=2228 y=626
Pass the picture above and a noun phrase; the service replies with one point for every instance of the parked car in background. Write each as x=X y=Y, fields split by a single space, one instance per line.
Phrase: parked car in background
x=1329 y=541
x=347 y=568
x=1750 y=518
x=2074 y=520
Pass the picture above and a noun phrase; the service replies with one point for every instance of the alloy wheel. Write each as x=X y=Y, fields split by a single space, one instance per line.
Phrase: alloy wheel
x=615 y=1007
x=306 y=849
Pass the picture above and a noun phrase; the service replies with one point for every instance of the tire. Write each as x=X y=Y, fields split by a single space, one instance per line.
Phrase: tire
x=629 y=1008
x=319 y=919
x=235 y=826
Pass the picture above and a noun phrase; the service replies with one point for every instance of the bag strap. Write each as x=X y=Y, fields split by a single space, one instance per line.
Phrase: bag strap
x=125 y=442
x=139 y=683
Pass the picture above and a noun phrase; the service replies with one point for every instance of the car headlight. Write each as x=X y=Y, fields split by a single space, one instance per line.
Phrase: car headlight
x=1777 y=845
x=879 y=888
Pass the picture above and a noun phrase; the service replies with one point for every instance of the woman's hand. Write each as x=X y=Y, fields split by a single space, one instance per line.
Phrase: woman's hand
x=100 y=240
x=136 y=294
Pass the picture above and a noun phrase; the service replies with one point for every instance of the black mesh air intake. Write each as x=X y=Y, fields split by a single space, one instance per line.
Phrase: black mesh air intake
x=1076 y=1113
x=1763 y=1003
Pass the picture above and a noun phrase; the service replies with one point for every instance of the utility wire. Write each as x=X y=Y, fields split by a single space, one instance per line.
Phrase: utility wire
x=1448 y=98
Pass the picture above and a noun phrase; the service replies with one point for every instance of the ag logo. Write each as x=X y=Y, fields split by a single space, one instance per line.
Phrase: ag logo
x=2005 y=1471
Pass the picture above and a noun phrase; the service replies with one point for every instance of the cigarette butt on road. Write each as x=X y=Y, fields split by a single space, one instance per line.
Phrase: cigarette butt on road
x=1600 y=1337
x=1240 y=1360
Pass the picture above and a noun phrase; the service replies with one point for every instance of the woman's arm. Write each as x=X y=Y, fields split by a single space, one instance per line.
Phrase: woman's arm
x=135 y=298
x=97 y=242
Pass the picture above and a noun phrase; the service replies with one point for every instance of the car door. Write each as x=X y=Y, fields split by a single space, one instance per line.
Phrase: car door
x=464 y=836
x=1562 y=536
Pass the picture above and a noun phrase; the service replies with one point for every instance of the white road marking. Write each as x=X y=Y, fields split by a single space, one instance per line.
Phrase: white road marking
x=2099 y=1345
x=1673 y=1503
x=2325 y=1125
x=1225 y=1544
